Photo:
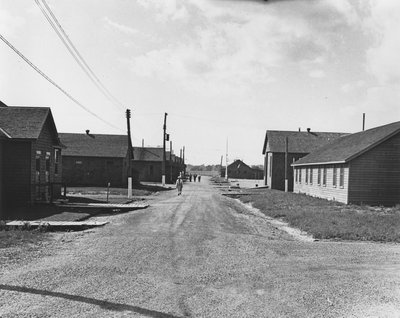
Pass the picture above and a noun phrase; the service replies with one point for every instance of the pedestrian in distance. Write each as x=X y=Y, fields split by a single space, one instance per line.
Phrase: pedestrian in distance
x=194 y=177
x=179 y=185
x=190 y=177
x=199 y=177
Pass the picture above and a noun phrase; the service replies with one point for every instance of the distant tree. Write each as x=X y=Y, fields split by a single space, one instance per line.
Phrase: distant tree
x=203 y=167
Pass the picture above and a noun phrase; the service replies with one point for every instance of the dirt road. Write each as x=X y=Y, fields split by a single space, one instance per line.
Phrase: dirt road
x=200 y=255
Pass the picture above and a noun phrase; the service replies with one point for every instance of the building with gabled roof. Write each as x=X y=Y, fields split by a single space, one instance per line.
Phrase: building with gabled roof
x=239 y=170
x=361 y=168
x=30 y=156
x=300 y=144
x=95 y=159
x=147 y=164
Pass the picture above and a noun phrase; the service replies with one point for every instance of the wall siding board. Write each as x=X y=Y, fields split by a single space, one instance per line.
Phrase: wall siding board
x=1 y=179
x=329 y=192
x=94 y=171
x=375 y=175
x=16 y=173
x=278 y=170
x=45 y=143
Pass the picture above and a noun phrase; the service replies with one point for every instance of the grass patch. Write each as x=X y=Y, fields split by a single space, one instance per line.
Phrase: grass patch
x=327 y=219
x=23 y=235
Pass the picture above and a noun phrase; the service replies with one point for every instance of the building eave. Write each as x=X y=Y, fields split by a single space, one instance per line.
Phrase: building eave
x=318 y=163
x=5 y=133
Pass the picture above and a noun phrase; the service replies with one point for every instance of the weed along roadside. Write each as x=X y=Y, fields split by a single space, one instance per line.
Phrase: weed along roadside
x=326 y=219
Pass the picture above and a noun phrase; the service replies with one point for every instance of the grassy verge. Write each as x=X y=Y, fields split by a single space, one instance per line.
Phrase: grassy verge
x=11 y=237
x=326 y=219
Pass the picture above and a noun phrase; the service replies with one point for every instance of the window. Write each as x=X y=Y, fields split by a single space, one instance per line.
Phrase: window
x=38 y=155
x=47 y=161
x=319 y=176
x=324 y=177
x=57 y=161
x=78 y=162
x=300 y=169
x=341 y=177
x=311 y=175
x=334 y=179
x=306 y=175
x=270 y=165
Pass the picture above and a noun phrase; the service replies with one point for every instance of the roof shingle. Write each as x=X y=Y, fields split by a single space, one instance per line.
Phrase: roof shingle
x=298 y=141
x=94 y=145
x=23 y=122
x=349 y=147
x=149 y=154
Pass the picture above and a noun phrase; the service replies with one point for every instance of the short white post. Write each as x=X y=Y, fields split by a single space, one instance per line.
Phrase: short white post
x=129 y=187
x=163 y=180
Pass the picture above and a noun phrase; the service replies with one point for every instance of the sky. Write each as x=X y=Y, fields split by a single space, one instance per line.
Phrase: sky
x=225 y=71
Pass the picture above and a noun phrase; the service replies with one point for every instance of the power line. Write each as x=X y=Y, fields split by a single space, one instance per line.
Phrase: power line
x=104 y=89
x=55 y=24
x=54 y=83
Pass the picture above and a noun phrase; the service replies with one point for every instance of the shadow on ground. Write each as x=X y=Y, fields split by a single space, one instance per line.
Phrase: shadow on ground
x=101 y=303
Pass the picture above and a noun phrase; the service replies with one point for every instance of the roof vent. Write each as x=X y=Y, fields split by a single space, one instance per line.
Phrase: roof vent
x=308 y=130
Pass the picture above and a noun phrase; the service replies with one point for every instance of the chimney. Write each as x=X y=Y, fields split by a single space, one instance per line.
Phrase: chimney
x=363 y=124
x=308 y=130
x=88 y=133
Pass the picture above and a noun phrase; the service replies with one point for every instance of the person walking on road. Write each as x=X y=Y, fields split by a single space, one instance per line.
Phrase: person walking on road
x=199 y=178
x=179 y=185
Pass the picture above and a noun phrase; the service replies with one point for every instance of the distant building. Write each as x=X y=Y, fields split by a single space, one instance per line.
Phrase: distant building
x=239 y=170
x=361 y=168
x=30 y=157
x=95 y=159
x=300 y=144
x=147 y=164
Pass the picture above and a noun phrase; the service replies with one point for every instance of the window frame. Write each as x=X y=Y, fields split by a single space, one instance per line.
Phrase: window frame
x=334 y=176
x=341 y=176
x=324 y=175
x=300 y=170
x=306 y=175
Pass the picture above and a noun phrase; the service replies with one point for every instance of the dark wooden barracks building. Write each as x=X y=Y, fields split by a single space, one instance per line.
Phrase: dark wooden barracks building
x=98 y=159
x=30 y=157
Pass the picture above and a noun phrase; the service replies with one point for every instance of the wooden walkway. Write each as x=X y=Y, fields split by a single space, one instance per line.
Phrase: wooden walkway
x=73 y=225
x=119 y=206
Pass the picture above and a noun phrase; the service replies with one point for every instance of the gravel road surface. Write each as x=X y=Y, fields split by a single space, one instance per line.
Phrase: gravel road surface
x=199 y=255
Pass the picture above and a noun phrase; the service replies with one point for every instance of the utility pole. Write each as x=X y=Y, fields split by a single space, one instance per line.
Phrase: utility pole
x=286 y=164
x=363 y=124
x=220 y=168
x=164 y=139
x=130 y=153
x=183 y=158
x=226 y=159
x=170 y=160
